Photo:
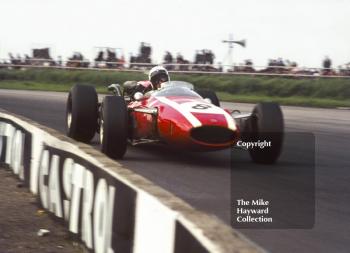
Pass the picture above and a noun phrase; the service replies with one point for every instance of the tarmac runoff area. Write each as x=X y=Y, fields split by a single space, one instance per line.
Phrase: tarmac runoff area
x=203 y=179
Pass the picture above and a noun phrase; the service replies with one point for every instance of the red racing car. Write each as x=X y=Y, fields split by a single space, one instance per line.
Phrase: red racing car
x=177 y=115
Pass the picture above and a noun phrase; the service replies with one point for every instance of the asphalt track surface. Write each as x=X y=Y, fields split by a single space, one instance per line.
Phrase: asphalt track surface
x=203 y=179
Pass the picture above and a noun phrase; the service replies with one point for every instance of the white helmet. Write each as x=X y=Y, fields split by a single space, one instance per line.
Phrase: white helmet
x=158 y=75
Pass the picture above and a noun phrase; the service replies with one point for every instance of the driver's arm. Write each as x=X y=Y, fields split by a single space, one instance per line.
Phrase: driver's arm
x=143 y=86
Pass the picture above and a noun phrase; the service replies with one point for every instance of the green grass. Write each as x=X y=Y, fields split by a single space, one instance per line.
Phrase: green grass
x=293 y=100
x=41 y=86
x=313 y=91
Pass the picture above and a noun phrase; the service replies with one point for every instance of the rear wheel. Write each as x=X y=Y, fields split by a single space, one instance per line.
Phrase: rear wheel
x=114 y=127
x=81 y=113
x=266 y=124
x=209 y=94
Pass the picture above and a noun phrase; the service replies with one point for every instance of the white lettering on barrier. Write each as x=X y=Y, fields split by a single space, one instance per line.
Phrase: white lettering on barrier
x=77 y=186
x=17 y=146
x=14 y=151
x=55 y=201
x=109 y=227
x=88 y=201
x=103 y=217
x=37 y=150
x=97 y=209
x=96 y=230
x=43 y=173
x=67 y=185
x=9 y=132
x=96 y=214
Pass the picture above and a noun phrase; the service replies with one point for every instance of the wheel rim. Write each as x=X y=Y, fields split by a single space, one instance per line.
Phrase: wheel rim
x=101 y=131
x=69 y=119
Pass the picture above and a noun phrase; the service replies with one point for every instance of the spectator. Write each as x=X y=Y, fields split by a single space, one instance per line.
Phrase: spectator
x=59 y=62
x=327 y=65
x=26 y=59
x=168 y=58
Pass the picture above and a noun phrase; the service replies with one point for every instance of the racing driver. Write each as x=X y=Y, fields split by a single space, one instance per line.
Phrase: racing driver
x=157 y=75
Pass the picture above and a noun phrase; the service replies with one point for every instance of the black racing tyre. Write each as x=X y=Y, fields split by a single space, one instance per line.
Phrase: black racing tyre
x=82 y=113
x=209 y=94
x=266 y=124
x=114 y=127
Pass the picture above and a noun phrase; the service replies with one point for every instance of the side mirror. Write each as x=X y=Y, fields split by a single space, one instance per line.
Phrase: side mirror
x=116 y=89
x=138 y=96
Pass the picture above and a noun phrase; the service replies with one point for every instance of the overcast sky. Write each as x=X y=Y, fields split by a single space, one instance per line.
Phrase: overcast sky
x=303 y=31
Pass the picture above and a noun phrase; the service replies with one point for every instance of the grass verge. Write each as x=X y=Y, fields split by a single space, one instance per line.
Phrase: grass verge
x=293 y=100
x=313 y=91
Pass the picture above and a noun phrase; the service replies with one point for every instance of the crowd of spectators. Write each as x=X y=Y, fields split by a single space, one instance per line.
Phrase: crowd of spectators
x=203 y=61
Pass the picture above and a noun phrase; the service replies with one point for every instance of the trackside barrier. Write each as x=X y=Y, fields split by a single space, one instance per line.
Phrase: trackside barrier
x=107 y=207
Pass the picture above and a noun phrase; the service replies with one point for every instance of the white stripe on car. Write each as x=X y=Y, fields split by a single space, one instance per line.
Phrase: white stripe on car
x=187 y=108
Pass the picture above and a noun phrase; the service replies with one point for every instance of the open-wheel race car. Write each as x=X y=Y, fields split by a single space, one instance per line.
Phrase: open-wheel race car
x=177 y=115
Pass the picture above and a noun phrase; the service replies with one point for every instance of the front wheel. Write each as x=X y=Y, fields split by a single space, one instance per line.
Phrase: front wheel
x=114 y=127
x=266 y=128
x=209 y=94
